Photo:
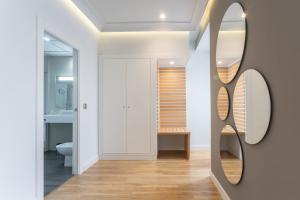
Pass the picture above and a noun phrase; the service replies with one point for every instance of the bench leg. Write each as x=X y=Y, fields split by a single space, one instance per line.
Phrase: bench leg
x=187 y=146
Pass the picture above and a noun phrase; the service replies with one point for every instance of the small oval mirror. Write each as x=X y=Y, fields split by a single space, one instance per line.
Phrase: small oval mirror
x=231 y=155
x=231 y=42
x=251 y=106
x=223 y=103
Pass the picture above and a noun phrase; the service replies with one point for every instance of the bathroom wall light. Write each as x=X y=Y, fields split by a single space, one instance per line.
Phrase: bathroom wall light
x=65 y=78
x=172 y=62
x=220 y=62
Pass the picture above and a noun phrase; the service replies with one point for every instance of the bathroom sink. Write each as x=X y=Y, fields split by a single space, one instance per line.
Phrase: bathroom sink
x=64 y=116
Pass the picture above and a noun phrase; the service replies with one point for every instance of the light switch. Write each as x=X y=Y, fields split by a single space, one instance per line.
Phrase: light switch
x=84 y=106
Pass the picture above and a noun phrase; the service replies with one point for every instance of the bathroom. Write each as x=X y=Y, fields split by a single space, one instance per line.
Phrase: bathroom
x=59 y=92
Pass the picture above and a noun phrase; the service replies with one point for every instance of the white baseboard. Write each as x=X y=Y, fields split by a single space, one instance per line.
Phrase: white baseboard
x=223 y=193
x=127 y=157
x=90 y=163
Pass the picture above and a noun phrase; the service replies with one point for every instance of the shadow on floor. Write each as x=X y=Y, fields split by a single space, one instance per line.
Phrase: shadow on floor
x=55 y=174
x=171 y=155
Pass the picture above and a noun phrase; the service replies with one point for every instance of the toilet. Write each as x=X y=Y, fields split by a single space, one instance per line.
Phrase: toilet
x=66 y=149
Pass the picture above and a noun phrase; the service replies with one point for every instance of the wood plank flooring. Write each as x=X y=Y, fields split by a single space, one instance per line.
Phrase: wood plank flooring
x=232 y=166
x=164 y=179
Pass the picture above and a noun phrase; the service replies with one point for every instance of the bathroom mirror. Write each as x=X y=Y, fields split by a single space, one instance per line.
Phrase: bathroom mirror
x=64 y=92
x=231 y=42
x=231 y=155
x=251 y=106
x=223 y=103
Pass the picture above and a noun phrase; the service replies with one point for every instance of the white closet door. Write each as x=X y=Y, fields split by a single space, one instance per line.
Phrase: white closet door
x=114 y=106
x=138 y=106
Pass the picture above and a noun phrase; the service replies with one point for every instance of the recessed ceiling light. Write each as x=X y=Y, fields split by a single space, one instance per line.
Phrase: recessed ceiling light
x=162 y=16
x=244 y=15
x=172 y=62
x=220 y=62
x=46 y=39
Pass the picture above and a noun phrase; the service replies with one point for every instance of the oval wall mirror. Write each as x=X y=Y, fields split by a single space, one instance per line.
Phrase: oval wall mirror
x=231 y=42
x=231 y=155
x=223 y=103
x=251 y=106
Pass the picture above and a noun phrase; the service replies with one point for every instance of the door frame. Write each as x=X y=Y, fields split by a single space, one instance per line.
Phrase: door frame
x=42 y=27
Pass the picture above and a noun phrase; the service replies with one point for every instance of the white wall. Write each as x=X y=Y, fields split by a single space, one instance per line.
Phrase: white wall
x=232 y=145
x=153 y=45
x=198 y=94
x=258 y=107
x=18 y=87
x=149 y=44
x=172 y=45
x=65 y=20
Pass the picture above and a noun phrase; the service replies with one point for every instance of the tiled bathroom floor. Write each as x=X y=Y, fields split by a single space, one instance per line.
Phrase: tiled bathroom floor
x=55 y=173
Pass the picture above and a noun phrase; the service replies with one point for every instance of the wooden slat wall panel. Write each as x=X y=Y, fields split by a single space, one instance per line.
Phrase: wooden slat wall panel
x=227 y=74
x=232 y=71
x=223 y=103
x=223 y=73
x=172 y=97
x=239 y=107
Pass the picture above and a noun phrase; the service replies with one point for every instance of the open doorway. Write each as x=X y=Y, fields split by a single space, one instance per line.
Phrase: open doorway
x=60 y=112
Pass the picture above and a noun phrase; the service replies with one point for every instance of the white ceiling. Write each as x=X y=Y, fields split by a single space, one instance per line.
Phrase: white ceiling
x=55 y=47
x=143 y=15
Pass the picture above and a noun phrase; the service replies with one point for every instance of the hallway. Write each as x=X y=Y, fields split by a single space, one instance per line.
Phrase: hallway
x=167 y=179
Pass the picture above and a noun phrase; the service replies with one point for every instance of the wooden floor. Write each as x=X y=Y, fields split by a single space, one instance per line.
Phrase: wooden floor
x=164 y=179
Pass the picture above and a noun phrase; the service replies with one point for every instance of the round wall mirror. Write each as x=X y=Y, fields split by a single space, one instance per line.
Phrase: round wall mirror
x=231 y=42
x=223 y=103
x=231 y=155
x=252 y=106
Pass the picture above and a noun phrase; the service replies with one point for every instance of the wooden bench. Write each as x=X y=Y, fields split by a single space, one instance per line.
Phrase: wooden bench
x=178 y=131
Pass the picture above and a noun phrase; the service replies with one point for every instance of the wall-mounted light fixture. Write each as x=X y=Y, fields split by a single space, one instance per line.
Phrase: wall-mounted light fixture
x=64 y=78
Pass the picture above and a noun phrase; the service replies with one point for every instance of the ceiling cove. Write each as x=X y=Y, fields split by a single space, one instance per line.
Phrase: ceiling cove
x=143 y=15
